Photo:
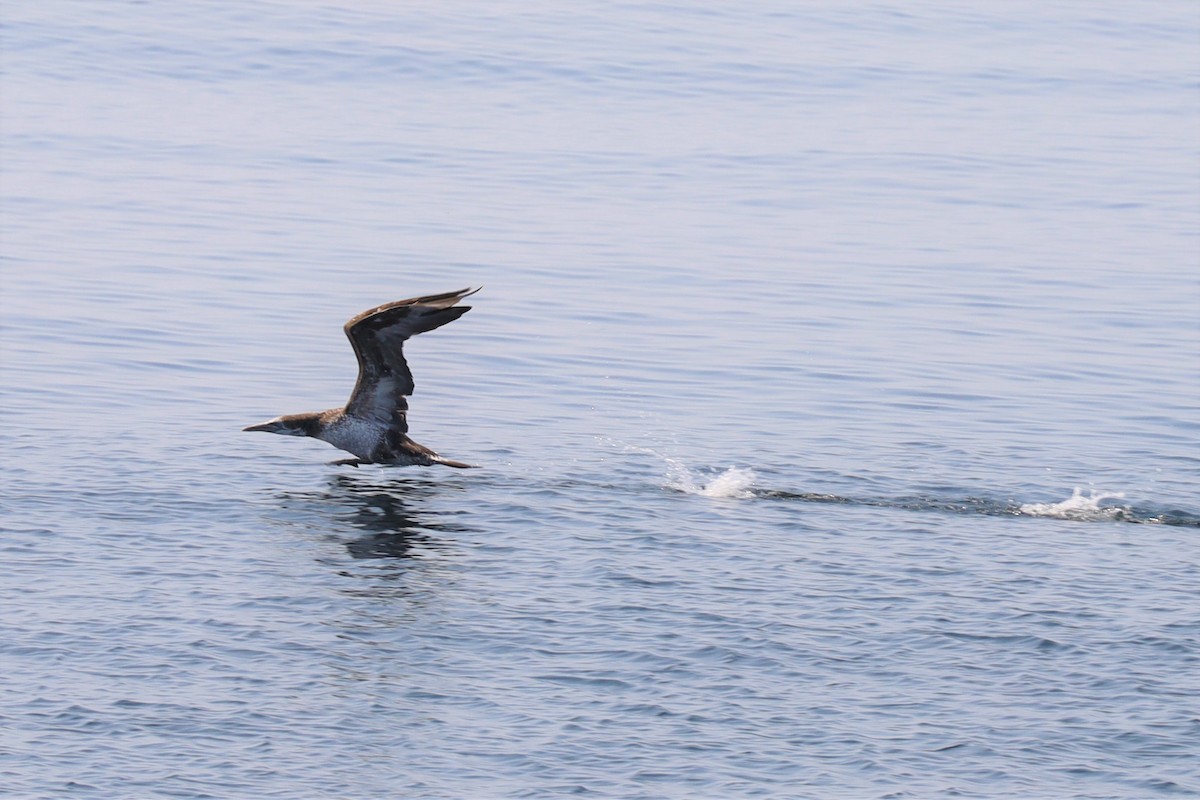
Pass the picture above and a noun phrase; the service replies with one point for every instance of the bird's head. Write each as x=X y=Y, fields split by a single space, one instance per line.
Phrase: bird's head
x=289 y=425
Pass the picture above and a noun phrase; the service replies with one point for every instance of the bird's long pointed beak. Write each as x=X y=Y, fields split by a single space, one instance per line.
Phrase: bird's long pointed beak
x=269 y=427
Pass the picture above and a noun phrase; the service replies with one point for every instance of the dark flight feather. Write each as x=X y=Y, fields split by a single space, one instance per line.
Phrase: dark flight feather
x=378 y=336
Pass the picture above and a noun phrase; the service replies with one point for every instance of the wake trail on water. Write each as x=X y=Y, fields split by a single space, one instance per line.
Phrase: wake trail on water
x=738 y=483
x=1078 y=507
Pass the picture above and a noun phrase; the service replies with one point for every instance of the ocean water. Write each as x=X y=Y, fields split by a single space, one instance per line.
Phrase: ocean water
x=835 y=385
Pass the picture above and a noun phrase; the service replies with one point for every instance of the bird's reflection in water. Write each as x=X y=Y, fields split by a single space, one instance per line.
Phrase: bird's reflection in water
x=394 y=515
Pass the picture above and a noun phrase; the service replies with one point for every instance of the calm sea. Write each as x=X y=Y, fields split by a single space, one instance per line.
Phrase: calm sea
x=835 y=383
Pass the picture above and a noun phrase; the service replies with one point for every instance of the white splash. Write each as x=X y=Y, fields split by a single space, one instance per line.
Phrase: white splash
x=734 y=482
x=1079 y=507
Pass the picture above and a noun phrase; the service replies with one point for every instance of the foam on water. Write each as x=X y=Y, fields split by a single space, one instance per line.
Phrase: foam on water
x=734 y=482
x=1079 y=507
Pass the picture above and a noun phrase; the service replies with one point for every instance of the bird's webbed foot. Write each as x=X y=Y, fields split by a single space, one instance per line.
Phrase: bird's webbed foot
x=347 y=462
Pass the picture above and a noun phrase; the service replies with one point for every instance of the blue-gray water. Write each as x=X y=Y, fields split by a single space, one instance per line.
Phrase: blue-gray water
x=802 y=322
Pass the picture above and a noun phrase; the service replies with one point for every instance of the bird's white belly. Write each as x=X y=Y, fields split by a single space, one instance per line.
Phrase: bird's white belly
x=354 y=436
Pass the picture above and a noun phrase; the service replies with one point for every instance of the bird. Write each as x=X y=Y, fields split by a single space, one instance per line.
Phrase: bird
x=373 y=425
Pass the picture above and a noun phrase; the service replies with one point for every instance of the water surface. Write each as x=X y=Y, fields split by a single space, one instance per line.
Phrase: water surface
x=834 y=384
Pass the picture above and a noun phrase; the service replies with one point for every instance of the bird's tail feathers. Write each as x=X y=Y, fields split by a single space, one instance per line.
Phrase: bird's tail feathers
x=421 y=451
x=446 y=462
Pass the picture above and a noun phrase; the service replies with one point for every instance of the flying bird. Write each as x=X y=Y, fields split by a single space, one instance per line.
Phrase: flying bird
x=373 y=425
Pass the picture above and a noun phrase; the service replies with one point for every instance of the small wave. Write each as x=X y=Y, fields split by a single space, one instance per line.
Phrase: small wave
x=1081 y=507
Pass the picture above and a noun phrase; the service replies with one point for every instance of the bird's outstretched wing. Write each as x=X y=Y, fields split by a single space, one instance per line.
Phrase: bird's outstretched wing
x=378 y=336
